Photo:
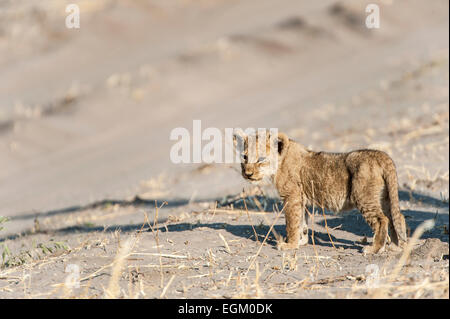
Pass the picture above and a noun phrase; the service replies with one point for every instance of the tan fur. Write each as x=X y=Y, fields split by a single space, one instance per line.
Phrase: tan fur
x=362 y=179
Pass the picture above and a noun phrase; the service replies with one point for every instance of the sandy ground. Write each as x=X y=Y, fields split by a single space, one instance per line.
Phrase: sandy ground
x=85 y=118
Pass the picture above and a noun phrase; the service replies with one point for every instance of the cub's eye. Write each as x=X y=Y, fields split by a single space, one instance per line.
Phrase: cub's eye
x=262 y=159
x=244 y=157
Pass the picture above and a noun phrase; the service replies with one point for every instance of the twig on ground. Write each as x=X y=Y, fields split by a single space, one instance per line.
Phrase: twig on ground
x=265 y=238
x=162 y=255
x=225 y=242
x=235 y=211
x=167 y=286
x=250 y=221
x=326 y=226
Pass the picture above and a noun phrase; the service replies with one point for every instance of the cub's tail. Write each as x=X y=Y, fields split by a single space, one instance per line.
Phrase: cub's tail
x=398 y=220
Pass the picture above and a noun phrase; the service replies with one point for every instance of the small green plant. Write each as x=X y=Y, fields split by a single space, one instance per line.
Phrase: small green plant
x=6 y=254
x=3 y=220
x=38 y=251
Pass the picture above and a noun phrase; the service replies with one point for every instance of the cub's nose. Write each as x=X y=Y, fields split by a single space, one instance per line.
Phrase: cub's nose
x=248 y=174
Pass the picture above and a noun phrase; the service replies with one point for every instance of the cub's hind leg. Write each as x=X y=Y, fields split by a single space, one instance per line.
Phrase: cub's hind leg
x=379 y=224
x=386 y=206
x=366 y=193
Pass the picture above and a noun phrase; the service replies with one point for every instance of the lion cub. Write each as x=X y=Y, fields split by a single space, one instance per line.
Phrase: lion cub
x=362 y=179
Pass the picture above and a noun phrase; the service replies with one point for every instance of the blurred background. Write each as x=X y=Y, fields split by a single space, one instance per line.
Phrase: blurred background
x=85 y=114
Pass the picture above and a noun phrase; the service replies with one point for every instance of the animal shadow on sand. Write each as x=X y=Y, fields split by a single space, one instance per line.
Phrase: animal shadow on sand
x=246 y=231
x=353 y=221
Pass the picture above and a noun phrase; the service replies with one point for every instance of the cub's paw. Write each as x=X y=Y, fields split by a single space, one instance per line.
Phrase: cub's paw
x=394 y=248
x=370 y=250
x=287 y=246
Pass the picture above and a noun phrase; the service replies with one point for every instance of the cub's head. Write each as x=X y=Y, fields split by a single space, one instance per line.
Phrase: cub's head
x=260 y=153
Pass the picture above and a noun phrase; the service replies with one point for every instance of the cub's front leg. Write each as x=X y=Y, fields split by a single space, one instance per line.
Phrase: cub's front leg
x=296 y=224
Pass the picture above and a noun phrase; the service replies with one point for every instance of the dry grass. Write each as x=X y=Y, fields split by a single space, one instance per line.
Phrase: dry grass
x=229 y=267
x=113 y=290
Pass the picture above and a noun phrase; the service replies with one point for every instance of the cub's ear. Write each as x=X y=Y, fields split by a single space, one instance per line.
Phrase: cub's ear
x=281 y=142
x=239 y=139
